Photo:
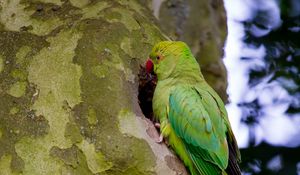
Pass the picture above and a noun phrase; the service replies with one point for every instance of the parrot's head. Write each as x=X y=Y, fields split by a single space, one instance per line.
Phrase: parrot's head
x=167 y=56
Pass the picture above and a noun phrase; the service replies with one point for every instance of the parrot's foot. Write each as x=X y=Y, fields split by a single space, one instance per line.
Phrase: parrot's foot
x=157 y=125
x=160 y=139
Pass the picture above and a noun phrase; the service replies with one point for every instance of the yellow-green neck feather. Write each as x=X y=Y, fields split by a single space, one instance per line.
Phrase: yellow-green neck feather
x=178 y=61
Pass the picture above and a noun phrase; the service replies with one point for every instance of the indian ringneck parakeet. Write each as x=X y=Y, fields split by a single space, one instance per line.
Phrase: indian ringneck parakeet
x=192 y=116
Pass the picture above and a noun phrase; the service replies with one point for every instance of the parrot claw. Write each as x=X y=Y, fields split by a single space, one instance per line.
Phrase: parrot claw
x=157 y=125
x=160 y=139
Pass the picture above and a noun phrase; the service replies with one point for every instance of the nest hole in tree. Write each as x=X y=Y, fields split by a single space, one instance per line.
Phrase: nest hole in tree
x=147 y=84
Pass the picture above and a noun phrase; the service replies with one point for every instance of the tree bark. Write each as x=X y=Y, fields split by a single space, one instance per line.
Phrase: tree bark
x=69 y=87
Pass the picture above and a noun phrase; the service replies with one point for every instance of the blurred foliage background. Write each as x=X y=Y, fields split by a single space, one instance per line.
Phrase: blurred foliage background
x=281 y=66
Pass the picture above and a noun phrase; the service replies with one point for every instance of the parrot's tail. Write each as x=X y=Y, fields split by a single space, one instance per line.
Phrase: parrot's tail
x=224 y=173
x=203 y=167
x=234 y=155
x=233 y=167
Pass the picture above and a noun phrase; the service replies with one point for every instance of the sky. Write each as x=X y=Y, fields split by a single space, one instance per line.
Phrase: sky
x=275 y=127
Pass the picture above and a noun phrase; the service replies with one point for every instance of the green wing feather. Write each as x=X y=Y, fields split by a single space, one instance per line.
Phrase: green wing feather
x=195 y=117
x=234 y=152
x=230 y=137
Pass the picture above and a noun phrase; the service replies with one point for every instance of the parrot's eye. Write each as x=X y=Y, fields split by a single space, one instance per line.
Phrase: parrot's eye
x=158 y=57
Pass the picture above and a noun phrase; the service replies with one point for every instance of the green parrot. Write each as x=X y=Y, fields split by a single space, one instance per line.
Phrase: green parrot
x=192 y=117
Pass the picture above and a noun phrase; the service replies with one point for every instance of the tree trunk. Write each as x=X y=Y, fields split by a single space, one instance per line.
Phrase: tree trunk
x=69 y=87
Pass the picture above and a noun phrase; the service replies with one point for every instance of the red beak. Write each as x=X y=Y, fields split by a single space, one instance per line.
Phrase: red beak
x=149 y=66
